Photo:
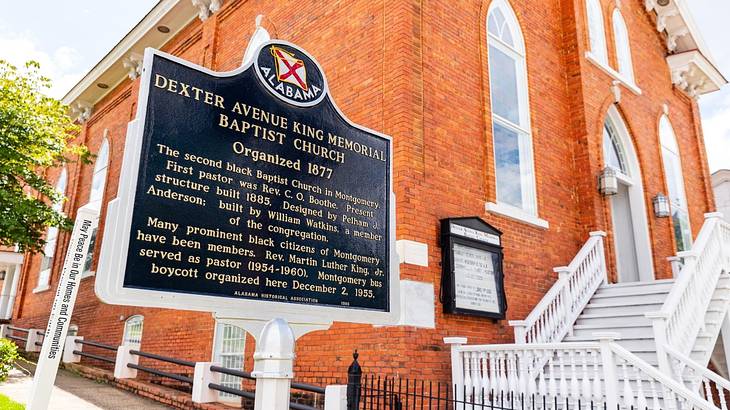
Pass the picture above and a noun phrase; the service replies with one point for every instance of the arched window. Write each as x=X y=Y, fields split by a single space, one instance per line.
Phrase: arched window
x=675 y=185
x=512 y=136
x=51 y=238
x=596 y=31
x=612 y=149
x=133 y=331
x=98 y=183
x=623 y=48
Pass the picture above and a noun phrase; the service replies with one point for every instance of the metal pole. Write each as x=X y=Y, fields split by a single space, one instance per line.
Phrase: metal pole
x=354 y=380
x=274 y=365
x=62 y=308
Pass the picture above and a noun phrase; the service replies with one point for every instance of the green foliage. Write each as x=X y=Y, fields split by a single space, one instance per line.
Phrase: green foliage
x=8 y=356
x=7 y=404
x=35 y=135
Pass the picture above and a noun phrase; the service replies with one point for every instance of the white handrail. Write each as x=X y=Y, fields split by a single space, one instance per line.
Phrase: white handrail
x=699 y=372
x=666 y=381
x=553 y=317
x=681 y=317
x=601 y=373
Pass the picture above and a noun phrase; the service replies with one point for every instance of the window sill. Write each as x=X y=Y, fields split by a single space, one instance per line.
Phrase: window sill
x=40 y=289
x=613 y=74
x=516 y=214
x=88 y=274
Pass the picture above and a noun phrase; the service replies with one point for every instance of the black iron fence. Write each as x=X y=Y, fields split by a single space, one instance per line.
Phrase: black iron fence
x=316 y=392
x=373 y=392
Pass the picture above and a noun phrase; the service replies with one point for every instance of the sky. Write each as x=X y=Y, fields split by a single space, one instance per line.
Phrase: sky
x=69 y=37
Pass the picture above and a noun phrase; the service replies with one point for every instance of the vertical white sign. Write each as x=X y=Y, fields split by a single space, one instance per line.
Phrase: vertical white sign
x=62 y=309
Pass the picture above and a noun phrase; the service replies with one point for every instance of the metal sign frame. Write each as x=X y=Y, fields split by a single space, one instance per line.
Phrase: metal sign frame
x=110 y=273
x=483 y=239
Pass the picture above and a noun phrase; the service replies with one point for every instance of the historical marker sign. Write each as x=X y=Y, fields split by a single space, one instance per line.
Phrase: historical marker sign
x=249 y=191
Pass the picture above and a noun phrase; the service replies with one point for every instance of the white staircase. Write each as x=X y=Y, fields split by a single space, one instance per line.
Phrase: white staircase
x=643 y=345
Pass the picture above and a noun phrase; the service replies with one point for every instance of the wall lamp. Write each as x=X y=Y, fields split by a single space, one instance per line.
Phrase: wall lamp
x=661 y=206
x=608 y=182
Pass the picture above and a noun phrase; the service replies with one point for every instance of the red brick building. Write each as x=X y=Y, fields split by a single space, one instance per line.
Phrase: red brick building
x=504 y=109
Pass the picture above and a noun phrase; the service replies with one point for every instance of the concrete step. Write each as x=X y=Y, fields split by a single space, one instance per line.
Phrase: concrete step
x=608 y=306
x=664 y=284
x=632 y=297
x=626 y=331
x=631 y=318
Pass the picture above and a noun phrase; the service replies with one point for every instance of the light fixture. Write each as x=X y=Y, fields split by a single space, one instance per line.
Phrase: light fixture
x=662 y=3
x=607 y=182
x=103 y=86
x=661 y=206
x=163 y=29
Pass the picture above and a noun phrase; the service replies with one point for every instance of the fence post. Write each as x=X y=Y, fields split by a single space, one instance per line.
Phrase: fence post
x=601 y=235
x=659 y=324
x=676 y=263
x=202 y=377
x=4 y=331
x=274 y=366
x=33 y=337
x=335 y=397
x=520 y=328
x=354 y=380
x=457 y=366
x=124 y=357
x=565 y=295
x=609 y=367
x=68 y=349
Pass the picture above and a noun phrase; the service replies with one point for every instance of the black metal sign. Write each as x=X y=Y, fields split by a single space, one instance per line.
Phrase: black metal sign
x=253 y=185
x=472 y=279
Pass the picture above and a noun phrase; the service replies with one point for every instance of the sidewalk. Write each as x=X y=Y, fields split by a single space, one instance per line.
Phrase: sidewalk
x=73 y=392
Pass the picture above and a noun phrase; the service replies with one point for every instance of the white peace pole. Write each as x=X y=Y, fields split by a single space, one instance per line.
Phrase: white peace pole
x=63 y=305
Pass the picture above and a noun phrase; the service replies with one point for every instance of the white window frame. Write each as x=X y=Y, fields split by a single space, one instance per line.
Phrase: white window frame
x=624 y=61
x=44 y=275
x=218 y=355
x=670 y=146
x=101 y=170
x=596 y=31
x=127 y=337
x=527 y=213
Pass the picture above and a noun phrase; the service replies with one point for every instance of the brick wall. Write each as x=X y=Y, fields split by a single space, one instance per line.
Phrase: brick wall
x=417 y=71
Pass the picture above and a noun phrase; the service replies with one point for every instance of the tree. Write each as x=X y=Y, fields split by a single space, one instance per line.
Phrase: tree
x=36 y=135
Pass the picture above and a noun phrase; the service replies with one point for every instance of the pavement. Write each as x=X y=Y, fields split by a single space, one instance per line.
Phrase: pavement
x=73 y=392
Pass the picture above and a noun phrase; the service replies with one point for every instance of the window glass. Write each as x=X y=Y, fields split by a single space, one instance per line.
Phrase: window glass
x=230 y=343
x=596 y=32
x=623 y=47
x=613 y=152
x=512 y=138
x=49 y=249
x=505 y=95
x=675 y=185
x=98 y=183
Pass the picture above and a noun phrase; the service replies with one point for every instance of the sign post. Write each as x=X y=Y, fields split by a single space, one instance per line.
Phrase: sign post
x=63 y=304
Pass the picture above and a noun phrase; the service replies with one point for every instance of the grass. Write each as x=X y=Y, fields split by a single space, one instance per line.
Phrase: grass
x=7 y=404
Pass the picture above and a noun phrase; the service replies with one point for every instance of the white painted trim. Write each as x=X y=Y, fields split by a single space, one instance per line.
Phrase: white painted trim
x=516 y=214
x=133 y=41
x=412 y=252
x=11 y=258
x=637 y=201
x=630 y=85
x=109 y=285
